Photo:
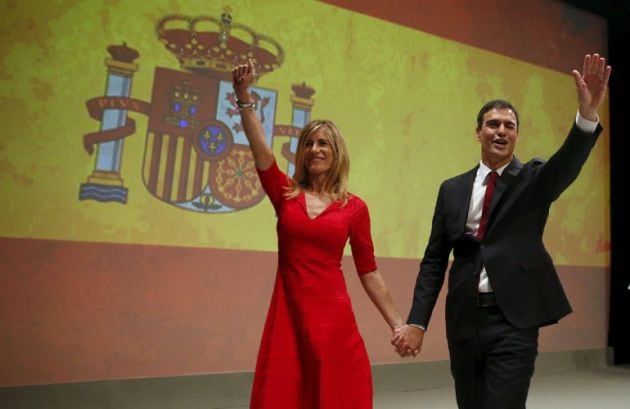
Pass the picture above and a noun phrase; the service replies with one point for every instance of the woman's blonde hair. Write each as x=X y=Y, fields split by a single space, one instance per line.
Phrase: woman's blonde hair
x=336 y=182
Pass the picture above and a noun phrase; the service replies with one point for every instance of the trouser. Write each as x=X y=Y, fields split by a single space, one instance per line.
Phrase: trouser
x=493 y=369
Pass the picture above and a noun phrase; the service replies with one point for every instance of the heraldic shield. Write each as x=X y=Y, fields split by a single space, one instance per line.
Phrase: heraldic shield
x=196 y=154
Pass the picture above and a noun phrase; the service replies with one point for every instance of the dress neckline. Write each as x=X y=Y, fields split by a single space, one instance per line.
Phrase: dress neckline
x=302 y=201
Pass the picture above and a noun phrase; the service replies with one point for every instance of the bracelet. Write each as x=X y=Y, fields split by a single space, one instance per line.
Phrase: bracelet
x=245 y=105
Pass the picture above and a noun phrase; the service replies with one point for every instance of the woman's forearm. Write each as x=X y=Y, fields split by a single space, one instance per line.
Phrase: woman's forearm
x=378 y=292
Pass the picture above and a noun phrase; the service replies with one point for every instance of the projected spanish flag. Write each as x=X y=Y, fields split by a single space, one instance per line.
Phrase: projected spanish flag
x=130 y=205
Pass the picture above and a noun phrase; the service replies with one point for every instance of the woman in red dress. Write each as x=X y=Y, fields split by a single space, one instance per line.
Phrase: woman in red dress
x=311 y=354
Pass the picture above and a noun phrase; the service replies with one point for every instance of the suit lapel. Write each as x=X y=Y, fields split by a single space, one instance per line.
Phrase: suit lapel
x=464 y=193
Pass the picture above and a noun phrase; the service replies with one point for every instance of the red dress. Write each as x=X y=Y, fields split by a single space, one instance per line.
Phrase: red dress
x=311 y=354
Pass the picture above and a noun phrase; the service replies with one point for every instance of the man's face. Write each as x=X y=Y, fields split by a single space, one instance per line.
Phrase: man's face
x=498 y=135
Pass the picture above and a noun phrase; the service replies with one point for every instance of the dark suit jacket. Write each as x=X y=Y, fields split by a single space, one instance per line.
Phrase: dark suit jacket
x=521 y=272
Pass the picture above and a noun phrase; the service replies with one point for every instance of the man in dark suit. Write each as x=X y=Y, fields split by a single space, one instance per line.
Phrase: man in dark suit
x=502 y=284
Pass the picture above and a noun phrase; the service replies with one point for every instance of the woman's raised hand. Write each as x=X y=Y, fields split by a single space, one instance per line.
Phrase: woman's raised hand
x=243 y=77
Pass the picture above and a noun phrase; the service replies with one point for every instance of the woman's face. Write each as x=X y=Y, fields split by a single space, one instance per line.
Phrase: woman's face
x=318 y=153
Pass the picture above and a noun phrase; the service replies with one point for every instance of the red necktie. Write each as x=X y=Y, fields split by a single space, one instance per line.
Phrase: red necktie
x=487 y=199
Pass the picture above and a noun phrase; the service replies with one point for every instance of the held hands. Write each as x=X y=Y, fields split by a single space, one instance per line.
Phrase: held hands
x=407 y=340
x=591 y=85
x=242 y=77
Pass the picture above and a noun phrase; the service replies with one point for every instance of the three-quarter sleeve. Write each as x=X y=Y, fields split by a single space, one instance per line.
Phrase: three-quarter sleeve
x=361 y=239
x=274 y=183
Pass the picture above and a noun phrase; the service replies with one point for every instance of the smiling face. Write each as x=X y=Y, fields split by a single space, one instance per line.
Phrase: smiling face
x=318 y=153
x=321 y=159
x=498 y=134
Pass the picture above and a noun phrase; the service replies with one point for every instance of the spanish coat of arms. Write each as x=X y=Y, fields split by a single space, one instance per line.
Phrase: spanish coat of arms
x=196 y=154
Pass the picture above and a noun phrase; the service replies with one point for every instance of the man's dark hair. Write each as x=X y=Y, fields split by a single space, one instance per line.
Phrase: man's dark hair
x=496 y=104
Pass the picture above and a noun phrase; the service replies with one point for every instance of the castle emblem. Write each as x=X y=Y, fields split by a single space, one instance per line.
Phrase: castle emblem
x=196 y=154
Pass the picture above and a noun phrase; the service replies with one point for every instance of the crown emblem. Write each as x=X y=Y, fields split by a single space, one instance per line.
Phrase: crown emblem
x=209 y=45
x=122 y=53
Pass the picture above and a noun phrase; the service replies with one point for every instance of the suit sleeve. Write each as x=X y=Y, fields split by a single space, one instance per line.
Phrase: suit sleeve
x=564 y=166
x=432 y=268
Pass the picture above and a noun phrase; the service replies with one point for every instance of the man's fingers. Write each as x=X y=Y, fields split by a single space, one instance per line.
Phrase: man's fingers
x=601 y=66
x=607 y=72
x=578 y=78
x=403 y=345
x=587 y=64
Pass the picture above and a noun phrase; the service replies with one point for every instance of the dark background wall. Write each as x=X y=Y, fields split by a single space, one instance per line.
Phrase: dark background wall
x=617 y=13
